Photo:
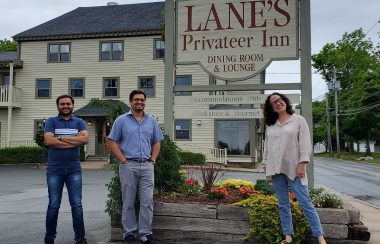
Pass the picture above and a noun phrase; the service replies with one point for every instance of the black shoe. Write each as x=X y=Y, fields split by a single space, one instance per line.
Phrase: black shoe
x=49 y=242
x=130 y=238
x=149 y=240
x=84 y=241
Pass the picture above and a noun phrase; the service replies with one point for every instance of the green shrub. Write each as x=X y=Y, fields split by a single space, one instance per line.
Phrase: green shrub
x=264 y=187
x=265 y=219
x=191 y=158
x=114 y=202
x=167 y=175
x=82 y=156
x=325 y=199
x=19 y=155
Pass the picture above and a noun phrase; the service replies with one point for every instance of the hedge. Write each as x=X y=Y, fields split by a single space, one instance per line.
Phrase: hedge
x=20 y=155
x=190 y=158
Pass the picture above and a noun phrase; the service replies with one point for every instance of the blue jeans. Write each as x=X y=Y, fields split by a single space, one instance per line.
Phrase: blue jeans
x=72 y=178
x=281 y=183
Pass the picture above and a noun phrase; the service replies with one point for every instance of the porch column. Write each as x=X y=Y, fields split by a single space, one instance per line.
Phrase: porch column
x=10 y=101
x=11 y=74
x=10 y=108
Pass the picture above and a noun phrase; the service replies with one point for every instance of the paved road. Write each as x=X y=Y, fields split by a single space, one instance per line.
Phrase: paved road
x=23 y=203
x=358 y=180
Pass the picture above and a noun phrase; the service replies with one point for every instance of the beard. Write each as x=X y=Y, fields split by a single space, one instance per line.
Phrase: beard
x=62 y=113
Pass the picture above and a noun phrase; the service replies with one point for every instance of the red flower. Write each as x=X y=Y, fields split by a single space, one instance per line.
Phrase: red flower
x=189 y=181
x=196 y=183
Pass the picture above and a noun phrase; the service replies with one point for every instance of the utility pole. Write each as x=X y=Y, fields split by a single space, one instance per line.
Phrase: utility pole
x=336 y=88
x=329 y=145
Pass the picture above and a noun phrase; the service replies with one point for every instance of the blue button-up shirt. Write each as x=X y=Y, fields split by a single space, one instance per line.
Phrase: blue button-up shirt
x=135 y=138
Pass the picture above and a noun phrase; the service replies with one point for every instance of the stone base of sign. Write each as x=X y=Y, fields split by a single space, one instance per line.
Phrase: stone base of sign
x=201 y=223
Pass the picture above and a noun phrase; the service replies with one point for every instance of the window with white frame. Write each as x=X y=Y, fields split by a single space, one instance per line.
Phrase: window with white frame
x=111 y=87
x=43 y=88
x=146 y=84
x=183 y=80
x=159 y=49
x=111 y=50
x=182 y=129
x=59 y=52
x=76 y=87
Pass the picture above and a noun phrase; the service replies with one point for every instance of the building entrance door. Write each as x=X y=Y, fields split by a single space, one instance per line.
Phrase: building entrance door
x=100 y=137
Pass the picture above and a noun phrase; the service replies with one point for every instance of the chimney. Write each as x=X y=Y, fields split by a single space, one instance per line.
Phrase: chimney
x=112 y=3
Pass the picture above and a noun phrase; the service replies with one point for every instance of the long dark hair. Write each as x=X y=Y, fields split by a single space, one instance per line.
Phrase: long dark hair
x=270 y=116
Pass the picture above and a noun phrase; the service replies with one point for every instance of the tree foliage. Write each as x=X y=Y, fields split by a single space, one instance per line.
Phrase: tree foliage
x=8 y=45
x=356 y=60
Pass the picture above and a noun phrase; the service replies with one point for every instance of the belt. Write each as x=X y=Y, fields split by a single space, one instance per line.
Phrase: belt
x=137 y=160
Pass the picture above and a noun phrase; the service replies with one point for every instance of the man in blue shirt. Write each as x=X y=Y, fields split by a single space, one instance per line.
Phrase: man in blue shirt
x=64 y=134
x=135 y=139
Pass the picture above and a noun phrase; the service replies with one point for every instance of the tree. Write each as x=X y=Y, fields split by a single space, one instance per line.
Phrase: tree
x=8 y=45
x=356 y=60
x=319 y=122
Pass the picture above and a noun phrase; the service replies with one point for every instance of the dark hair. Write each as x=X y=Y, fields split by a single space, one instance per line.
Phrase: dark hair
x=270 y=116
x=134 y=92
x=64 y=96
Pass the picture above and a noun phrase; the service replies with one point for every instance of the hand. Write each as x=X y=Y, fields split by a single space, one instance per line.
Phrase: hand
x=300 y=170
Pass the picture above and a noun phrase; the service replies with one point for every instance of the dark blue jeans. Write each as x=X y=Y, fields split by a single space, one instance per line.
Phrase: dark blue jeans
x=72 y=178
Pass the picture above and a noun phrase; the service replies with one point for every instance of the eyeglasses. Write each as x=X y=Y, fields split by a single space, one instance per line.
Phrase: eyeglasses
x=277 y=101
x=138 y=100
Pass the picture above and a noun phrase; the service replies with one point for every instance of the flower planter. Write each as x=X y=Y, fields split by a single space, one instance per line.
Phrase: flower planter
x=201 y=223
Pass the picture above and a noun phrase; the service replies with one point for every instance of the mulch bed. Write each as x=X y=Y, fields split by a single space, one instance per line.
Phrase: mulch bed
x=233 y=197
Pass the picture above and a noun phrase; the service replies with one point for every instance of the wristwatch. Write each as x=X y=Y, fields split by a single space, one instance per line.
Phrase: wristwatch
x=153 y=161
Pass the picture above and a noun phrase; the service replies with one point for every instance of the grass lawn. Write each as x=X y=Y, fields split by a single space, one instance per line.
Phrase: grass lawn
x=353 y=157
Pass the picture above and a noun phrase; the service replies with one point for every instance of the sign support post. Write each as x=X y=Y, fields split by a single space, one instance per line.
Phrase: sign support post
x=306 y=100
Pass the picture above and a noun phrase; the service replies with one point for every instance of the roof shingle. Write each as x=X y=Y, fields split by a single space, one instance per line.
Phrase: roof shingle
x=85 y=22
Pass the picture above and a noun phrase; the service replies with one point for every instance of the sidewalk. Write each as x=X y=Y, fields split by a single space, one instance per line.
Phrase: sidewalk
x=370 y=214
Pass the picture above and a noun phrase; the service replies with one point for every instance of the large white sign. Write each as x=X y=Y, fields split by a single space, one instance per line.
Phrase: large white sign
x=234 y=39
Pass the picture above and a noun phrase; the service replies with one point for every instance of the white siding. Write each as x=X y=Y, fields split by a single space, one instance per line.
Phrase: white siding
x=138 y=61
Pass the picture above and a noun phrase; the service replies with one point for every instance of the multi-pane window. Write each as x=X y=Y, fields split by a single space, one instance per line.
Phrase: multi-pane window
x=111 y=87
x=182 y=129
x=183 y=80
x=43 y=88
x=111 y=51
x=146 y=84
x=59 y=52
x=5 y=78
x=159 y=49
x=76 y=87
x=235 y=136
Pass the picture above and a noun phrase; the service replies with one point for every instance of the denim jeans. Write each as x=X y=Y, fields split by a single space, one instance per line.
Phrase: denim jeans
x=72 y=178
x=137 y=178
x=281 y=183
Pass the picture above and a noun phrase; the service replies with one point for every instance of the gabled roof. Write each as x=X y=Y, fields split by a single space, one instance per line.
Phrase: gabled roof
x=92 y=110
x=9 y=57
x=101 y=21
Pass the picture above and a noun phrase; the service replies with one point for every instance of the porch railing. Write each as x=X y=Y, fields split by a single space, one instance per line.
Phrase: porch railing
x=213 y=155
x=17 y=143
x=10 y=96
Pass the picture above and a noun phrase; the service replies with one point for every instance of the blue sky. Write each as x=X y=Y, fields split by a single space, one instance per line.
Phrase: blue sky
x=330 y=19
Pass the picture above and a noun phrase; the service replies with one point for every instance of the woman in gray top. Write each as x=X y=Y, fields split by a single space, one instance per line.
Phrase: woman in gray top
x=287 y=150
